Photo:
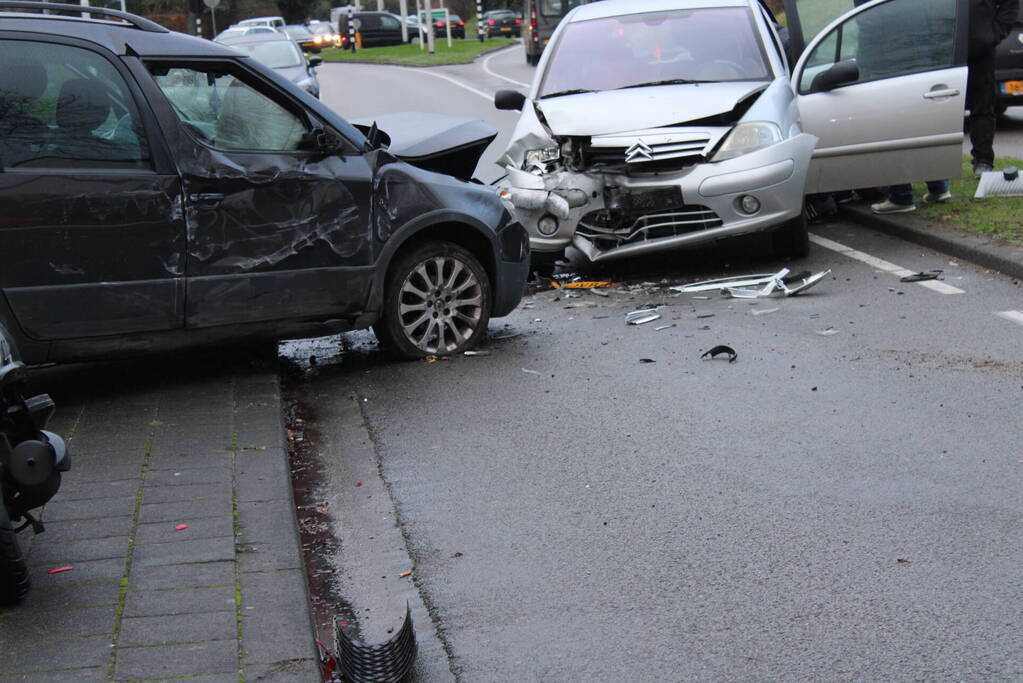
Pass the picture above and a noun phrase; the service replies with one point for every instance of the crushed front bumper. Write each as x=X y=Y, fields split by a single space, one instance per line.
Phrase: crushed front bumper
x=613 y=215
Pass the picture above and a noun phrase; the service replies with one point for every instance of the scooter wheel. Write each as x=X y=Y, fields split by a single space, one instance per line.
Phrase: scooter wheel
x=14 y=579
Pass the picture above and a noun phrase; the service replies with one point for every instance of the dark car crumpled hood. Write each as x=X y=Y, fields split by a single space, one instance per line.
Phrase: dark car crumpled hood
x=437 y=142
x=614 y=111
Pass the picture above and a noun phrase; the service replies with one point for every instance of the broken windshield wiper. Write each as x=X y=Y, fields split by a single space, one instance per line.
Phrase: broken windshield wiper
x=559 y=93
x=670 y=81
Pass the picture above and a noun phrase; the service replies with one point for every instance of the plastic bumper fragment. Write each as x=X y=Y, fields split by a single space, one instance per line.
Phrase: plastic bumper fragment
x=739 y=287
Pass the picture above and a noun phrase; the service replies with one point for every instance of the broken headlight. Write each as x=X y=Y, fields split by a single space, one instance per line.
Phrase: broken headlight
x=537 y=159
x=748 y=137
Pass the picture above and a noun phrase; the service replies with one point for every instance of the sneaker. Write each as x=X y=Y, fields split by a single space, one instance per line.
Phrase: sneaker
x=980 y=169
x=942 y=198
x=888 y=206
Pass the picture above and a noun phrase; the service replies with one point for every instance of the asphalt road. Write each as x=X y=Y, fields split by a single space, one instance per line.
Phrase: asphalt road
x=842 y=502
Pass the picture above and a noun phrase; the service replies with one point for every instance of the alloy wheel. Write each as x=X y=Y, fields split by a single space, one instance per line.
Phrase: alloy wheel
x=440 y=304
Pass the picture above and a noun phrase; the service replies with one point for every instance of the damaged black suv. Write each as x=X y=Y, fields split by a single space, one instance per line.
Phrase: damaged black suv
x=159 y=190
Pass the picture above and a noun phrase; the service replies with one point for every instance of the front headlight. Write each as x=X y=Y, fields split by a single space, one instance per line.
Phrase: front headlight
x=318 y=39
x=539 y=158
x=748 y=137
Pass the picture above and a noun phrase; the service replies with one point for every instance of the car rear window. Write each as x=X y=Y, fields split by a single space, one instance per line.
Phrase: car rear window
x=708 y=44
x=66 y=107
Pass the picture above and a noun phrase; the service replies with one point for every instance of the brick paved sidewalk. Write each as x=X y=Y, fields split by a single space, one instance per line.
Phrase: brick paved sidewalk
x=163 y=443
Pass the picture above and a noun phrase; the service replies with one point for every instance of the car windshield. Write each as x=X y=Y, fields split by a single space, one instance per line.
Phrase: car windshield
x=278 y=54
x=318 y=29
x=655 y=48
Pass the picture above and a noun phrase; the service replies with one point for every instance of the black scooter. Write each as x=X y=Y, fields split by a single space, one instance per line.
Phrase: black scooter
x=31 y=461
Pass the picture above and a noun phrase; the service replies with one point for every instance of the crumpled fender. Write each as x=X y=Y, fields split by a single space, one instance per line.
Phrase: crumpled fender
x=409 y=200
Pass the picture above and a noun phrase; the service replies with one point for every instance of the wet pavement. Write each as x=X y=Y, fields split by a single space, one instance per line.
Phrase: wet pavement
x=837 y=503
x=177 y=524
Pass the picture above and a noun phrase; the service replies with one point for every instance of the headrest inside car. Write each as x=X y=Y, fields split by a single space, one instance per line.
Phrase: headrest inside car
x=83 y=105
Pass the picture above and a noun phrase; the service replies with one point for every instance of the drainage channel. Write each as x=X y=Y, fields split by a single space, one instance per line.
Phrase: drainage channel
x=358 y=565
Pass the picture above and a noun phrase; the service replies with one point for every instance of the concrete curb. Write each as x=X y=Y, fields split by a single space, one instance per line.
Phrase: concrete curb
x=1003 y=258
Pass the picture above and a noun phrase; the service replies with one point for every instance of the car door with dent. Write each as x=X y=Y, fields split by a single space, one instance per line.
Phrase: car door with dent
x=91 y=224
x=883 y=87
x=278 y=228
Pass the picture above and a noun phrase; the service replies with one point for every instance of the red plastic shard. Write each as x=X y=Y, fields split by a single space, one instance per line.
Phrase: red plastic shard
x=58 y=570
x=180 y=527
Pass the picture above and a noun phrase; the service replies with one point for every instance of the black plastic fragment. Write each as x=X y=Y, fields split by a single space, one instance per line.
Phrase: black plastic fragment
x=728 y=350
x=647 y=360
x=921 y=276
x=388 y=662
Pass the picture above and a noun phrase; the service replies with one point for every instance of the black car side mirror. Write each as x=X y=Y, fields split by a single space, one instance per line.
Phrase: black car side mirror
x=323 y=142
x=509 y=99
x=315 y=61
x=842 y=73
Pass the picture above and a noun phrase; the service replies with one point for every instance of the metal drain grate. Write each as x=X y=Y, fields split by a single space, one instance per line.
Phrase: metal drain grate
x=388 y=662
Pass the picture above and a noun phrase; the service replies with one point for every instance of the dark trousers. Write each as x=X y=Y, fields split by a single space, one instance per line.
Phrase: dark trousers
x=980 y=100
x=903 y=194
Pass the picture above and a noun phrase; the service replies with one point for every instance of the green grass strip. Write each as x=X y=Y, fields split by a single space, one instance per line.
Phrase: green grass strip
x=461 y=52
x=1000 y=218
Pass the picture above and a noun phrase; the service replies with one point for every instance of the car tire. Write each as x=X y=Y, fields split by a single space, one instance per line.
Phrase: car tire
x=431 y=273
x=14 y=578
x=532 y=60
x=791 y=239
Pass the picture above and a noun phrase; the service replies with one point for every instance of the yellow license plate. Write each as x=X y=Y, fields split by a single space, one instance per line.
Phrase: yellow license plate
x=1013 y=87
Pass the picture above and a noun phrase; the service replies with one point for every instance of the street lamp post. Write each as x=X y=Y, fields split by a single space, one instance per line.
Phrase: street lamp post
x=479 y=19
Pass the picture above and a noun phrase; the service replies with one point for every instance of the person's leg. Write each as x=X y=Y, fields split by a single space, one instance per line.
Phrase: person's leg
x=900 y=200
x=937 y=191
x=980 y=98
x=901 y=194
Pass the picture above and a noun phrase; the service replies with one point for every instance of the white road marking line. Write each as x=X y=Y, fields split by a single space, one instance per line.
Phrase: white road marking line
x=940 y=287
x=1014 y=316
x=449 y=79
x=486 y=67
x=883 y=265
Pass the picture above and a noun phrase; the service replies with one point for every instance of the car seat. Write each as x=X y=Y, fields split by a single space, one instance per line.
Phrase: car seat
x=83 y=106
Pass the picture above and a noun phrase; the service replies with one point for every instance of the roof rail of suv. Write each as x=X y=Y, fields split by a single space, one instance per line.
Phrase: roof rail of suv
x=136 y=21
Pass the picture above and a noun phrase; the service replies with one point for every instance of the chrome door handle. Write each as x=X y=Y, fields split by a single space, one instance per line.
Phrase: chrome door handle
x=939 y=94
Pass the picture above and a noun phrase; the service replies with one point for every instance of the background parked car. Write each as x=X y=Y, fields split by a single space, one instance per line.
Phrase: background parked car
x=303 y=37
x=283 y=55
x=1009 y=68
x=542 y=17
x=375 y=28
x=457 y=27
x=502 y=22
x=276 y=23
x=235 y=31
x=324 y=34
